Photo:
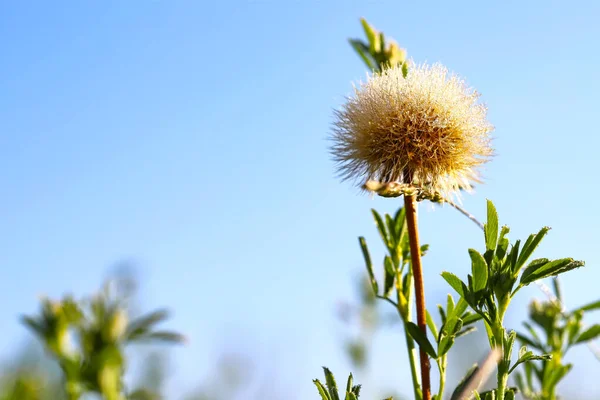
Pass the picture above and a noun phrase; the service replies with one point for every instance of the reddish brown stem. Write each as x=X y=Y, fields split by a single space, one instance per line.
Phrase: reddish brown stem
x=410 y=205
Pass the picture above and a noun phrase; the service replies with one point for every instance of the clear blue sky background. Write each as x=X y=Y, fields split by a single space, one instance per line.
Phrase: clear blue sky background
x=190 y=137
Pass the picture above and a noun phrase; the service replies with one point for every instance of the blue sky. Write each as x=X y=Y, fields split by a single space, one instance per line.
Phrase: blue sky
x=190 y=138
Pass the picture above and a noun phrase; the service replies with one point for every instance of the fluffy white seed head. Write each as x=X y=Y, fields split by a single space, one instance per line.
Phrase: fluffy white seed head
x=427 y=130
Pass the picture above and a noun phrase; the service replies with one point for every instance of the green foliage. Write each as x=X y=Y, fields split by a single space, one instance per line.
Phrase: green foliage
x=415 y=332
x=497 y=274
x=495 y=280
x=553 y=331
x=397 y=291
x=88 y=339
x=330 y=390
x=376 y=53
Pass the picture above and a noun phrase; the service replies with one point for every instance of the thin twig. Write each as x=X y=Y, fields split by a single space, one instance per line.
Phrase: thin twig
x=392 y=302
x=464 y=212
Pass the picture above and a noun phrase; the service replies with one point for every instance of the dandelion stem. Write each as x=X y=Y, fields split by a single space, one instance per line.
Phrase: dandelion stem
x=410 y=205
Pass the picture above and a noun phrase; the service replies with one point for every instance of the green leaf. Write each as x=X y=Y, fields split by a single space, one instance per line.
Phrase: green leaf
x=589 y=334
x=529 y=247
x=431 y=325
x=399 y=225
x=557 y=374
x=404 y=69
x=454 y=281
x=533 y=334
x=33 y=324
x=466 y=331
x=573 y=327
x=143 y=394
x=363 y=51
x=381 y=228
x=513 y=258
x=503 y=243
x=446 y=342
x=351 y=391
x=321 y=389
x=556 y=287
x=459 y=309
x=160 y=336
x=488 y=395
x=442 y=314
x=369 y=264
x=491 y=227
x=380 y=51
x=449 y=304
x=372 y=35
x=72 y=310
x=349 y=383
x=331 y=385
x=529 y=342
x=470 y=318
x=390 y=275
x=526 y=356
x=541 y=271
x=452 y=326
x=533 y=266
x=479 y=269
x=144 y=324
x=589 y=307
x=391 y=228
x=509 y=341
x=421 y=338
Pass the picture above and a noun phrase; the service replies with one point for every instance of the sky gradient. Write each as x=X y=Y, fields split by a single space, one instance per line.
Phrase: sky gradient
x=190 y=137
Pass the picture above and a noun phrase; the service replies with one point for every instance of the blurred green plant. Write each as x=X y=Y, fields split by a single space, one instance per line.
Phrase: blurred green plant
x=552 y=330
x=369 y=320
x=87 y=339
x=29 y=377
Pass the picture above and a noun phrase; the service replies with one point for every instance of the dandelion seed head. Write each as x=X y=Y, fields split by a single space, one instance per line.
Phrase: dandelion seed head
x=426 y=130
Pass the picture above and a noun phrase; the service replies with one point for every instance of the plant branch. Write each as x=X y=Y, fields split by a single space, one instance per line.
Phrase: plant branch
x=410 y=343
x=464 y=212
x=442 y=367
x=392 y=302
x=410 y=205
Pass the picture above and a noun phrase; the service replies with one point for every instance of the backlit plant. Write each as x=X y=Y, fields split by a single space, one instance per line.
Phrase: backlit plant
x=418 y=131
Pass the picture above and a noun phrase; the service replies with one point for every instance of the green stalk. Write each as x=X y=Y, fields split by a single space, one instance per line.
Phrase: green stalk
x=499 y=335
x=71 y=390
x=410 y=343
x=502 y=382
x=442 y=367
